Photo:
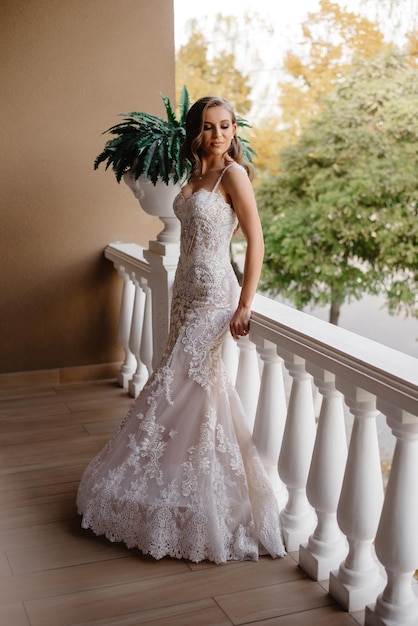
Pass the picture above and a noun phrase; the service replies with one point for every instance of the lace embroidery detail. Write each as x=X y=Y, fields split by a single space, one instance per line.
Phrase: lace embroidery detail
x=232 y=449
x=205 y=291
x=203 y=341
x=199 y=462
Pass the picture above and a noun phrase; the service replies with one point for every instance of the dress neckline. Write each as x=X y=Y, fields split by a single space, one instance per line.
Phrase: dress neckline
x=208 y=191
x=215 y=187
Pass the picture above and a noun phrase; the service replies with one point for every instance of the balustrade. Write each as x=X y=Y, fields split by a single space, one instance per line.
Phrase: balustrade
x=248 y=378
x=397 y=535
x=333 y=507
x=327 y=546
x=270 y=416
x=140 y=335
x=358 y=579
x=162 y=259
x=125 y=322
x=298 y=517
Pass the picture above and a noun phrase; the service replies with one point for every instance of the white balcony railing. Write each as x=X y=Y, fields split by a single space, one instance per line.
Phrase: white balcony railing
x=334 y=507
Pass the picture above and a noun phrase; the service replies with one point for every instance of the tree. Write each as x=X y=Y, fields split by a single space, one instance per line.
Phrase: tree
x=412 y=48
x=205 y=69
x=332 y=39
x=266 y=141
x=223 y=54
x=223 y=57
x=341 y=218
x=398 y=19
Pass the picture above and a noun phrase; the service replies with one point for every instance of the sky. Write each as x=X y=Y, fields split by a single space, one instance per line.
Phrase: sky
x=281 y=12
x=284 y=15
x=287 y=14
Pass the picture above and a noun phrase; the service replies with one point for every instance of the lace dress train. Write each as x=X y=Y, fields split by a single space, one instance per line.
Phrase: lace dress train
x=181 y=476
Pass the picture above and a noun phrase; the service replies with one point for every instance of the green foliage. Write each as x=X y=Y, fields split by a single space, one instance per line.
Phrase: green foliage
x=340 y=220
x=147 y=145
x=248 y=151
x=332 y=39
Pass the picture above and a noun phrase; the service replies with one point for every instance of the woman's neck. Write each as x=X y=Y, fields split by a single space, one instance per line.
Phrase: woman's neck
x=211 y=165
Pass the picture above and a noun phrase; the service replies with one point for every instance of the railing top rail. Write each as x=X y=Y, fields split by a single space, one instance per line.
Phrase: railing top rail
x=129 y=255
x=389 y=374
x=385 y=372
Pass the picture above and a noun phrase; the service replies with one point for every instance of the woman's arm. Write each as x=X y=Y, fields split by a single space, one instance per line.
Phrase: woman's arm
x=239 y=188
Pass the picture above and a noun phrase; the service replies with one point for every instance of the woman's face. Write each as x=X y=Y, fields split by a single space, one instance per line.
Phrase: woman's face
x=218 y=131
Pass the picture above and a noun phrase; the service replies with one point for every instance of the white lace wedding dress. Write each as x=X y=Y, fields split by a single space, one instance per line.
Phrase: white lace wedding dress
x=181 y=476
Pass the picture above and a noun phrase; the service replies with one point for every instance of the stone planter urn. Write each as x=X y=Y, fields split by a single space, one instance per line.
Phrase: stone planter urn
x=157 y=200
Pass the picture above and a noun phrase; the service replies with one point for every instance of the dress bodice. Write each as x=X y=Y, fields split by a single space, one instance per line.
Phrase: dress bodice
x=207 y=223
x=204 y=271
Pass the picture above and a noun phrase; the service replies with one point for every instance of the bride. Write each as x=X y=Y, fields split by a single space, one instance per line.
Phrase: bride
x=181 y=476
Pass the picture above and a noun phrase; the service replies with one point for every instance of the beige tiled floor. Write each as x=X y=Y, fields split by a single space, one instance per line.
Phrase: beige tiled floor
x=54 y=574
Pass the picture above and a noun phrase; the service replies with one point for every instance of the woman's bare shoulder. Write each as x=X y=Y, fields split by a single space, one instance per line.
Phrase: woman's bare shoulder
x=235 y=174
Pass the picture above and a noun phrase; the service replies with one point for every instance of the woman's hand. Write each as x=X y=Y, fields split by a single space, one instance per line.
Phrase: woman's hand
x=240 y=322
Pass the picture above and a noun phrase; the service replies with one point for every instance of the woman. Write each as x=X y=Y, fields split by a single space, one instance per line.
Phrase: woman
x=181 y=476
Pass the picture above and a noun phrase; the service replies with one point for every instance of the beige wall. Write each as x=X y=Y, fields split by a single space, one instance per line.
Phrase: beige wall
x=68 y=67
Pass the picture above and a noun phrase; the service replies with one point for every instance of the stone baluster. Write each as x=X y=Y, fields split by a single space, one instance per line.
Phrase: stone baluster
x=125 y=320
x=298 y=518
x=230 y=356
x=146 y=340
x=140 y=376
x=248 y=378
x=271 y=415
x=162 y=258
x=358 y=580
x=397 y=536
x=327 y=546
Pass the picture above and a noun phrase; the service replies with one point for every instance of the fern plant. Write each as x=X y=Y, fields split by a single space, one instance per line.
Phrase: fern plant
x=147 y=145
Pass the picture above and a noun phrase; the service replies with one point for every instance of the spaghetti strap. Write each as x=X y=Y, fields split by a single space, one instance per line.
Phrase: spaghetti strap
x=222 y=173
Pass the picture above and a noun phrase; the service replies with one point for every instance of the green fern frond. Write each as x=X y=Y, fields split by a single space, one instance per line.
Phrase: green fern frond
x=184 y=105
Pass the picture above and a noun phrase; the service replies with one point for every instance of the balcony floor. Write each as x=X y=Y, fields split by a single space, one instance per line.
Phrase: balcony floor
x=54 y=574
